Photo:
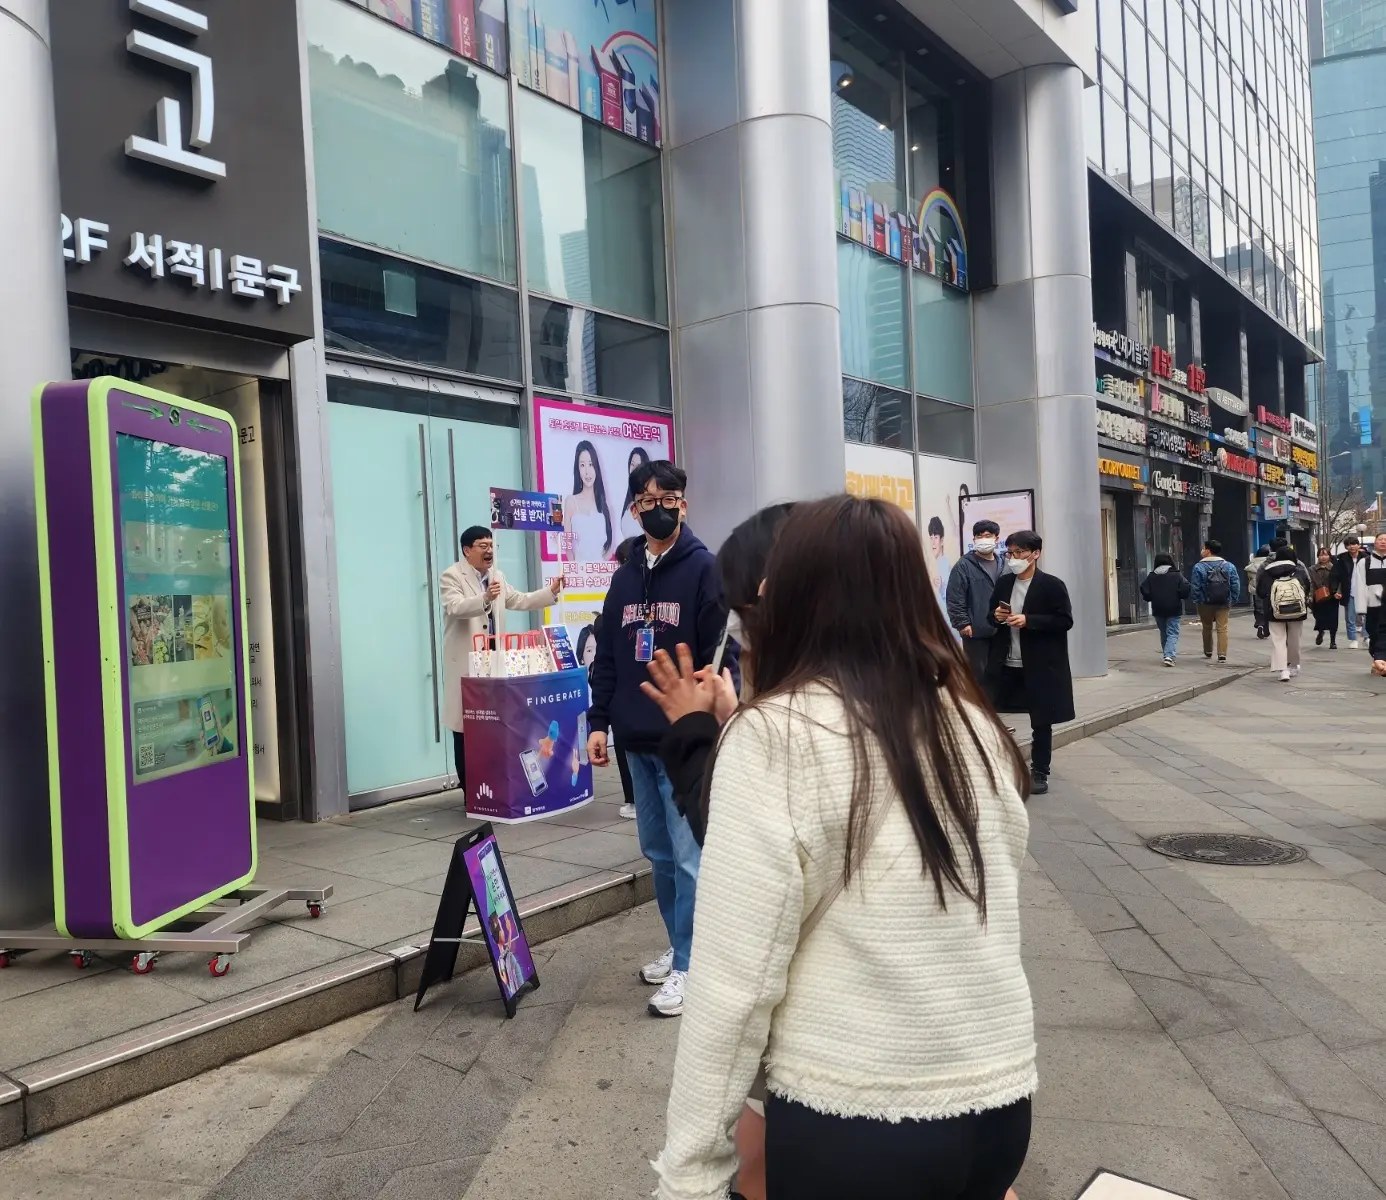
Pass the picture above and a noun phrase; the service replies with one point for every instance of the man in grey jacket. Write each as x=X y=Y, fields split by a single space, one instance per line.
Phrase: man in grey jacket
x=970 y=586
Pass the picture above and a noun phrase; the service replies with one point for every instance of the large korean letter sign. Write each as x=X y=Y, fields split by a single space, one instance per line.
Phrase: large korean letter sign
x=139 y=513
x=182 y=160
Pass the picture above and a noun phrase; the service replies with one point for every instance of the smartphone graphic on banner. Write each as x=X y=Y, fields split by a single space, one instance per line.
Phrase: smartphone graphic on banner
x=211 y=727
x=534 y=773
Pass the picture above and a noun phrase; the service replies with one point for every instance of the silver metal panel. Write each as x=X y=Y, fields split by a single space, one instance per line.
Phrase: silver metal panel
x=1010 y=178
x=418 y=382
x=714 y=425
x=34 y=349
x=1058 y=171
x=698 y=44
x=787 y=190
x=1070 y=522
x=322 y=646
x=1063 y=335
x=1003 y=341
x=402 y=791
x=796 y=402
x=111 y=333
x=708 y=232
x=1009 y=449
x=783 y=59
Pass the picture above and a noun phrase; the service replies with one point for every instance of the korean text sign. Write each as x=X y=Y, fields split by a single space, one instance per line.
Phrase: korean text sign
x=528 y=512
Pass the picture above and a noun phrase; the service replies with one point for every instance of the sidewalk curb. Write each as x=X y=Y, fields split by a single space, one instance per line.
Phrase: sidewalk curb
x=44 y=1095
x=1075 y=731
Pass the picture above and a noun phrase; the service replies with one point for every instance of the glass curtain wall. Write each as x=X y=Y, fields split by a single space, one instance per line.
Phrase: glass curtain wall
x=1203 y=116
x=460 y=215
x=906 y=318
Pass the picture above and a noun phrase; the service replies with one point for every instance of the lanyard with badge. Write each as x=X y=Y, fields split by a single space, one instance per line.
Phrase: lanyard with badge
x=645 y=635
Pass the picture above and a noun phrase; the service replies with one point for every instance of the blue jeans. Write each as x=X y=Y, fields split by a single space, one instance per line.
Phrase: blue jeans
x=1168 y=629
x=668 y=842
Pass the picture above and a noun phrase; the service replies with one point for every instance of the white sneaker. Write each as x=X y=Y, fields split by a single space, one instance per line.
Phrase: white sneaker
x=628 y=811
x=1352 y=643
x=1294 y=670
x=668 y=1001
x=659 y=970
x=1285 y=676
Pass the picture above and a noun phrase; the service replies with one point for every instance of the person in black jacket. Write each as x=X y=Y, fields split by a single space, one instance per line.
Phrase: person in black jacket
x=1166 y=590
x=587 y=642
x=1347 y=569
x=669 y=592
x=970 y=585
x=1029 y=668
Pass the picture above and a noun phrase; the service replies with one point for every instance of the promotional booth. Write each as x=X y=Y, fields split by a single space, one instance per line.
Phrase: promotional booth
x=524 y=703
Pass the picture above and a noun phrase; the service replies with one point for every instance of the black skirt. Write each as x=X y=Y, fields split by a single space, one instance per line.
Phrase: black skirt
x=1326 y=615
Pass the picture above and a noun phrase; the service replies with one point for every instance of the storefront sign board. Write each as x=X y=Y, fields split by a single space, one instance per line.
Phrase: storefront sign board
x=182 y=156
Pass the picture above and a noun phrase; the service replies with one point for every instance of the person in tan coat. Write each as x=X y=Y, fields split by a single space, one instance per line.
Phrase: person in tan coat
x=476 y=597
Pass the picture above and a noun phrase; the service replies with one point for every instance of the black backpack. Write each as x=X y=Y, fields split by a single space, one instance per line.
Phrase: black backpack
x=1217 y=591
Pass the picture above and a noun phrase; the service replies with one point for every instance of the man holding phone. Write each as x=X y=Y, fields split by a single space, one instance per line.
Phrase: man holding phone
x=1028 y=663
x=668 y=592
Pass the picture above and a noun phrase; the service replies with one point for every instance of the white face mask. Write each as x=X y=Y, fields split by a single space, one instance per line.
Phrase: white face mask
x=984 y=545
x=1018 y=566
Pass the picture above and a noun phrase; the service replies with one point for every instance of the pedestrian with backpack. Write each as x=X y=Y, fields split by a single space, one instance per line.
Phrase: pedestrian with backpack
x=1285 y=587
x=1214 y=587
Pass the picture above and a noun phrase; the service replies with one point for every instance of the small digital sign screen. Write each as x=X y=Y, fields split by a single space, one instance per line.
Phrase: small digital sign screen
x=175 y=523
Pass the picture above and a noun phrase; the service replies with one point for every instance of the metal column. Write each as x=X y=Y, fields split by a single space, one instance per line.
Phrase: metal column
x=33 y=349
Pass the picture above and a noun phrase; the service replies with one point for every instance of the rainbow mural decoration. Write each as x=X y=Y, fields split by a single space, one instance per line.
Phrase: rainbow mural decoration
x=931 y=239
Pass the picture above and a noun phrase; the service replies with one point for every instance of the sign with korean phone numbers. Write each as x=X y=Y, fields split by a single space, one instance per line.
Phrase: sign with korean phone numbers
x=181 y=154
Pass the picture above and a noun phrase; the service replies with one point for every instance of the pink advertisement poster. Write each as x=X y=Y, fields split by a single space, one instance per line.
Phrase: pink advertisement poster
x=585 y=454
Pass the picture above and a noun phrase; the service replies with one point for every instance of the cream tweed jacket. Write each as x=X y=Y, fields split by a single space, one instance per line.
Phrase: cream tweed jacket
x=893 y=1008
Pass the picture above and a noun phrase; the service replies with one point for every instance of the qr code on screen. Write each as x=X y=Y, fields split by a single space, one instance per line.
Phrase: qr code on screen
x=146 y=757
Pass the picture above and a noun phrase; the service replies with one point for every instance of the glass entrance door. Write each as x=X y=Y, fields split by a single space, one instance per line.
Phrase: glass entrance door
x=410 y=472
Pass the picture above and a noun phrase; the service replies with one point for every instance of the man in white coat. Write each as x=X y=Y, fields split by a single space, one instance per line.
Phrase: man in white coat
x=1369 y=590
x=476 y=597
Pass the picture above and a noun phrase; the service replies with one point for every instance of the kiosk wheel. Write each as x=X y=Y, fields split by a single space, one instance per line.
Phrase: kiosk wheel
x=219 y=965
x=4 y=959
x=81 y=959
x=143 y=962
x=314 y=909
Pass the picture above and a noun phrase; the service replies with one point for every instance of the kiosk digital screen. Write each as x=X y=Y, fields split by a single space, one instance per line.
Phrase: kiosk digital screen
x=175 y=525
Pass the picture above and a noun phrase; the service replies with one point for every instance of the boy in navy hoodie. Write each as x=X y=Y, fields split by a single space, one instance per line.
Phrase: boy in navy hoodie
x=668 y=592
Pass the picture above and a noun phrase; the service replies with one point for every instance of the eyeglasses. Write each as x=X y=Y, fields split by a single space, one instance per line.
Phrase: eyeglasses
x=647 y=503
x=482 y=546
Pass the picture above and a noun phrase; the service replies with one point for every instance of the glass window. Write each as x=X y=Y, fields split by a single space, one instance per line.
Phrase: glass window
x=377 y=305
x=1092 y=124
x=875 y=415
x=942 y=341
x=1114 y=158
x=1178 y=106
x=872 y=298
x=868 y=141
x=411 y=145
x=592 y=354
x=946 y=429
x=1135 y=54
x=593 y=210
x=1140 y=165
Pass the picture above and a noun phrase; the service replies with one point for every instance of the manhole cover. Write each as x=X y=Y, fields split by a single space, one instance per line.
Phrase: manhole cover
x=1227 y=849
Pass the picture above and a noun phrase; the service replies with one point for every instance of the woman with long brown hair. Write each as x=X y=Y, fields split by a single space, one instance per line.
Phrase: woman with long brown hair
x=857 y=925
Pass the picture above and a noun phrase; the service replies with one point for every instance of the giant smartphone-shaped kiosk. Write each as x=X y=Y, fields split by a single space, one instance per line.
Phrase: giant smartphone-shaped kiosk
x=149 y=743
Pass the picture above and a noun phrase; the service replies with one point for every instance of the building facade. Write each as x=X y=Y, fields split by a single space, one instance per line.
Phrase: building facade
x=1205 y=282
x=424 y=248
x=1350 y=139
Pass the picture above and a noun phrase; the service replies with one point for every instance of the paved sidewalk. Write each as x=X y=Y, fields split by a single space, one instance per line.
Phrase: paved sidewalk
x=1219 y=1032
x=386 y=867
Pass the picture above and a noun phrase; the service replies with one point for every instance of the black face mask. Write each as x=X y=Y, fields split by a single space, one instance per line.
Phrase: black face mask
x=660 y=522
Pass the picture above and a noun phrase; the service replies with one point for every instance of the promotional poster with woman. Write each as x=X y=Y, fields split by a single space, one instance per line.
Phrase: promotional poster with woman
x=586 y=455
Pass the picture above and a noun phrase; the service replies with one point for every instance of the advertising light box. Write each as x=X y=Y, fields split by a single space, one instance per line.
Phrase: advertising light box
x=138 y=498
